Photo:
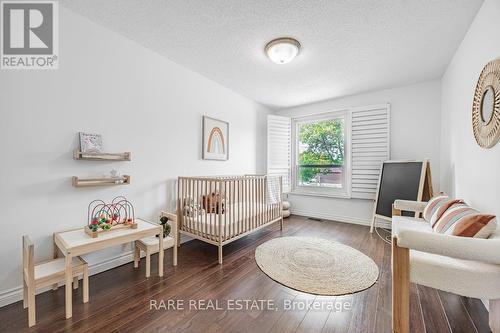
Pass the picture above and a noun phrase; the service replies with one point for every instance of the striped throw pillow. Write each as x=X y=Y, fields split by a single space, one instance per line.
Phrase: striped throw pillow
x=443 y=207
x=462 y=220
x=433 y=204
x=437 y=206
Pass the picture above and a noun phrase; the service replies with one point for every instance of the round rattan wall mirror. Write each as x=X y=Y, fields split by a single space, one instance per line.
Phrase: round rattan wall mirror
x=486 y=106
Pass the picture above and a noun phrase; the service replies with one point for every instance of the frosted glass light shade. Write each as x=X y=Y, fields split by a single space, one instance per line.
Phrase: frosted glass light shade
x=282 y=50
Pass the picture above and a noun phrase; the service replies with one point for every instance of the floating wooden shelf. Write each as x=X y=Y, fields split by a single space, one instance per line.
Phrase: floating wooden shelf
x=78 y=155
x=86 y=182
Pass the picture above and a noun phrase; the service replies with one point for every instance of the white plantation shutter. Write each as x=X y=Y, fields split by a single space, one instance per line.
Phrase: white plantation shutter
x=278 y=148
x=370 y=146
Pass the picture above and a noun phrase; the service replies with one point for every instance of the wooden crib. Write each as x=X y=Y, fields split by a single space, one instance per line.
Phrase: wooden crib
x=219 y=210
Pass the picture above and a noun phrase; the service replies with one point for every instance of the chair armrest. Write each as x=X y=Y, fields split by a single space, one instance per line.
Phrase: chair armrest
x=410 y=206
x=466 y=248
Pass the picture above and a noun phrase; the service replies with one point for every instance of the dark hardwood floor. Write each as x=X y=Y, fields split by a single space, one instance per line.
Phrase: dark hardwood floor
x=120 y=298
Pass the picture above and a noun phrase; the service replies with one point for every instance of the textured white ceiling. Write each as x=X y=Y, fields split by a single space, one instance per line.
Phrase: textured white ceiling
x=349 y=46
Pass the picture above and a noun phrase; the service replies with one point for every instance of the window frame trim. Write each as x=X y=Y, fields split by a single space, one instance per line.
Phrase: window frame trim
x=319 y=191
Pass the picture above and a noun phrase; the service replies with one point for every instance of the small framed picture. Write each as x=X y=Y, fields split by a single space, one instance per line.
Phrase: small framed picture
x=215 y=139
x=90 y=143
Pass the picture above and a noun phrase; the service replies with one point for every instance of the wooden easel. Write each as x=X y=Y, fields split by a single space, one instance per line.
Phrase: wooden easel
x=425 y=190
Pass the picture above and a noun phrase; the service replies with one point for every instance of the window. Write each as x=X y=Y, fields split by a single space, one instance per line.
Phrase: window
x=321 y=154
x=336 y=154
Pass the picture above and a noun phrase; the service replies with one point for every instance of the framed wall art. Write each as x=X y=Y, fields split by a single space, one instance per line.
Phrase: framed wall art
x=90 y=143
x=215 y=134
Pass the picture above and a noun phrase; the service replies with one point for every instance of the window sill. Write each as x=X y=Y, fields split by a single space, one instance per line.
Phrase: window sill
x=318 y=194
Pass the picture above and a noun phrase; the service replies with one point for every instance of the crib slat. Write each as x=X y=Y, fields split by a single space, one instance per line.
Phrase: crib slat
x=280 y=192
x=193 y=203
x=228 y=217
x=259 y=197
x=255 y=203
x=247 y=203
x=263 y=200
x=226 y=199
x=240 y=206
x=235 y=211
x=188 y=215
x=179 y=205
x=234 y=225
x=261 y=205
x=212 y=212
x=185 y=205
x=194 y=216
x=231 y=207
x=243 y=206
x=266 y=213
x=184 y=195
x=216 y=216
x=190 y=196
x=254 y=206
x=222 y=209
x=209 y=208
x=185 y=222
x=197 y=203
x=206 y=208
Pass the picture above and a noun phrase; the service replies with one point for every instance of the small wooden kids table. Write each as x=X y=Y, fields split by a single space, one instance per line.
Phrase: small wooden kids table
x=76 y=242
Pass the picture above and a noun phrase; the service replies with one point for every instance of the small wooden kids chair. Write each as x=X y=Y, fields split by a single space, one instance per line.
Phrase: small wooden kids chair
x=150 y=246
x=47 y=273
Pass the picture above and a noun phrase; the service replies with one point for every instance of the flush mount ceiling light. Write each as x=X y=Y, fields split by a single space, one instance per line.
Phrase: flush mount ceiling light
x=282 y=50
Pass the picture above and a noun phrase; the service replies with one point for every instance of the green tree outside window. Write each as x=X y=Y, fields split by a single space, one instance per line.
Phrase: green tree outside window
x=320 y=143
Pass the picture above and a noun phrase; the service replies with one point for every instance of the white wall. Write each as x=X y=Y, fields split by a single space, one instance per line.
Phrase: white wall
x=415 y=126
x=467 y=170
x=140 y=102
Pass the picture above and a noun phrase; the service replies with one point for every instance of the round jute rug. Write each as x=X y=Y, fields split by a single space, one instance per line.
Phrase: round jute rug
x=317 y=266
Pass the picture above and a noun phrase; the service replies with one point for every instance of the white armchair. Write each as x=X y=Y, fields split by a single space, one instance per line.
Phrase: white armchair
x=461 y=265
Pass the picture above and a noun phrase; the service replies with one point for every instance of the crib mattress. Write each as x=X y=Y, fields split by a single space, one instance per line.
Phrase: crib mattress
x=230 y=220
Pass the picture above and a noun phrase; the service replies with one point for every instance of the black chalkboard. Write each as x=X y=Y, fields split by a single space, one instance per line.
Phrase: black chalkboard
x=398 y=180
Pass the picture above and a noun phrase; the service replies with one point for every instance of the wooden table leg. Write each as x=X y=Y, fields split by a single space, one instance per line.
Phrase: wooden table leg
x=86 y=283
x=148 y=262
x=175 y=235
x=56 y=255
x=160 y=253
x=174 y=254
x=69 y=290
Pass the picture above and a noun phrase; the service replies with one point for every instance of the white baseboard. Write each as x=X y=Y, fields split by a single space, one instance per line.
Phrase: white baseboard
x=15 y=294
x=340 y=218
